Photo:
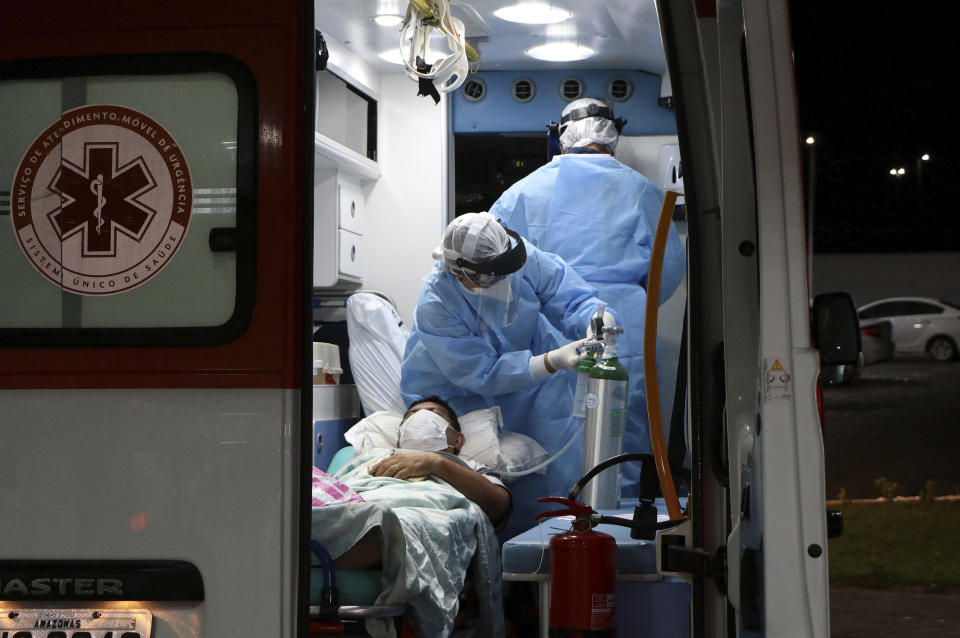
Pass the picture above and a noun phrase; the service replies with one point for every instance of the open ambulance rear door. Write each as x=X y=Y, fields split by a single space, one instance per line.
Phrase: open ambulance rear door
x=758 y=501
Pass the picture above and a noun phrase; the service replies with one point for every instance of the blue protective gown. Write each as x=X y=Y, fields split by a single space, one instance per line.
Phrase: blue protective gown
x=600 y=216
x=460 y=350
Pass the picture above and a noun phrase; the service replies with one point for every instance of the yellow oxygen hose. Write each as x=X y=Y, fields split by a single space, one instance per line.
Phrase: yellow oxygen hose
x=650 y=358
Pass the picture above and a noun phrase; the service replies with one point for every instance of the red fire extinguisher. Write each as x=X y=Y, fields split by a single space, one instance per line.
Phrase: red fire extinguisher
x=582 y=574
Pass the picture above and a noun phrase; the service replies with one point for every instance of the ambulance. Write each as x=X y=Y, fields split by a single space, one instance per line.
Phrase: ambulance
x=185 y=187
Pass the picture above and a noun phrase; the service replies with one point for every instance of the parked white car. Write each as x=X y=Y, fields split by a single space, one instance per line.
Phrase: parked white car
x=919 y=324
x=876 y=339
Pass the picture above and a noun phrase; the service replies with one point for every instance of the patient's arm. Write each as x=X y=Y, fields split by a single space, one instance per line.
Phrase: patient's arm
x=365 y=553
x=494 y=500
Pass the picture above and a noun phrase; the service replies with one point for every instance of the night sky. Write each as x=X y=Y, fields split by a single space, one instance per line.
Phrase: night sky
x=879 y=86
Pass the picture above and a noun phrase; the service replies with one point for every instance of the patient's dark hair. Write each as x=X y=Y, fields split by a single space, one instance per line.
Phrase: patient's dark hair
x=454 y=422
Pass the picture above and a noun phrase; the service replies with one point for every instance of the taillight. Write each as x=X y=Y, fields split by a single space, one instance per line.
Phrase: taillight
x=871 y=331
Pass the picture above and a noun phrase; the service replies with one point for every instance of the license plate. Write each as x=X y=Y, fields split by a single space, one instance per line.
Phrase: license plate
x=75 y=623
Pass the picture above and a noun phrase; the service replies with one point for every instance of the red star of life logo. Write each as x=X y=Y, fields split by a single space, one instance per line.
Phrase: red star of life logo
x=99 y=199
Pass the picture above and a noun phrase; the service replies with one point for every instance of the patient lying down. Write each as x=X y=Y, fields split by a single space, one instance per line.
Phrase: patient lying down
x=430 y=441
x=425 y=515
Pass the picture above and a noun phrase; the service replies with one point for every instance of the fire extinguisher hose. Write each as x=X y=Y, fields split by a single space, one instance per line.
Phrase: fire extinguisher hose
x=650 y=358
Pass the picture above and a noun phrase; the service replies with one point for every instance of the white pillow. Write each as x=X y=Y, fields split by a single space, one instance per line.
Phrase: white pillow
x=519 y=452
x=481 y=429
x=380 y=429
x=485 y=441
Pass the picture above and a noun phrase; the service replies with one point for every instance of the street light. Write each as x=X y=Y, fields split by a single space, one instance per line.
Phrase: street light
x=923 y=158
x=811 y=184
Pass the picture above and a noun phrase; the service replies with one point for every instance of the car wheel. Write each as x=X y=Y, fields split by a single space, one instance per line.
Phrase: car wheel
x=942 y=349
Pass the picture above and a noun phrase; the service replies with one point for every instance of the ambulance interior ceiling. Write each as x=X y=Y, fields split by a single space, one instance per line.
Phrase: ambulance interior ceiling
x=437 y=161
x=625 y=34
x=499 y=114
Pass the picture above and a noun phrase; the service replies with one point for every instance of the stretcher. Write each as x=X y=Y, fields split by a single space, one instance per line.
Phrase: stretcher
x=375 y=350
x=450 y=541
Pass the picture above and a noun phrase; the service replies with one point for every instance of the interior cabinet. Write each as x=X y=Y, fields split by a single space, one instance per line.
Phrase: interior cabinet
x=339 y=251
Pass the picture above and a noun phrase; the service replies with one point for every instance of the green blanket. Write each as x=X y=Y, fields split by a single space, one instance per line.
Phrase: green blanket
x=430 y=534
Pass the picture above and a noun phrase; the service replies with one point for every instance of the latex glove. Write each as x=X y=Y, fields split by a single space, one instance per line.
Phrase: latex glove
x=608 y=320
x=567 y=357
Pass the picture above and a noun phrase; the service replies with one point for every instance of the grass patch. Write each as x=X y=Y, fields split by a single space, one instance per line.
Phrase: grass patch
x=895 y=544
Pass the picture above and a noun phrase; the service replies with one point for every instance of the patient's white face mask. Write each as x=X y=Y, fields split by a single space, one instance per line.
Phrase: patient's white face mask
x=424 y=430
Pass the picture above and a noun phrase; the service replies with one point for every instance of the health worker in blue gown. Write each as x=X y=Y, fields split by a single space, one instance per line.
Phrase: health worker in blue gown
x=499 y=322
x=600 y=216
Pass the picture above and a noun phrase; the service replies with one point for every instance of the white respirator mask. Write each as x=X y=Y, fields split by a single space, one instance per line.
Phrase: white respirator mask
x=424 y=430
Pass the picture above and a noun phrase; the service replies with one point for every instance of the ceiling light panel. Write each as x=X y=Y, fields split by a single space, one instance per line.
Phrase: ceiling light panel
x=533 y=13
x=560 y=52
x=388 y=19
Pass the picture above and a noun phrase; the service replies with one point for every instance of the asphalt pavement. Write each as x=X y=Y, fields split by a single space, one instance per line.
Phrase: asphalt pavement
x=871 y=613
x=899 y=420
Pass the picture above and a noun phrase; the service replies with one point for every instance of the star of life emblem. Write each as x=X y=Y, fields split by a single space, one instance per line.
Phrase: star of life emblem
x=101 y=200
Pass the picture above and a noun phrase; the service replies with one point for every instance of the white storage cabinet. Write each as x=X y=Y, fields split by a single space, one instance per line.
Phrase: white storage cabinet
x=338 y=248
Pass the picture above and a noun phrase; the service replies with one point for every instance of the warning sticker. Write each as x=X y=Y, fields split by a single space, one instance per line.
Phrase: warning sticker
x=777 y=386
x=603 y=612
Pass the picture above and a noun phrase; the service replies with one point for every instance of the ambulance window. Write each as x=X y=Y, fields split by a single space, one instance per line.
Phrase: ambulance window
x=130 y=209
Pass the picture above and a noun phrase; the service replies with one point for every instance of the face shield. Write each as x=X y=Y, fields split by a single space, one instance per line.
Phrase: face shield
x=589 y=121
x=481 y=253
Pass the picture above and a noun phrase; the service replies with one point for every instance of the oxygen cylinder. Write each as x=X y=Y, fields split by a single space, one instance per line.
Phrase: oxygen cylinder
x=606 y=414
x=583 y=376
x=592 y=347
x=582 y=578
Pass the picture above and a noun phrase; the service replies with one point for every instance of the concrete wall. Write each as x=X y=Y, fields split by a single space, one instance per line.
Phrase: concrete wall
x=870 y=276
